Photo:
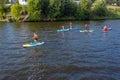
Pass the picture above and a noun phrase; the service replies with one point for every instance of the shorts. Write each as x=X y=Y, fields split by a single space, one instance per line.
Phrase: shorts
x=36 y=39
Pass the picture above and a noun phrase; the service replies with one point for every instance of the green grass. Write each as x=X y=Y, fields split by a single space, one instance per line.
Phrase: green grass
x=114 y=13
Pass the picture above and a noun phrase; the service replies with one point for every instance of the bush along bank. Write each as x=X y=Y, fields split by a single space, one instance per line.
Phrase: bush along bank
x=58 y=10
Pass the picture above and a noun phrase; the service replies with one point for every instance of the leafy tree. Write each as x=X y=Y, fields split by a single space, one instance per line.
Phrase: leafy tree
x=34 y=9
x=113 y=1
x=3 y=8
x=24 y=9
x=15 y=11
x=110 y=1
x=99 y=8
x=2 y=2
x=54 y=11
x=17 y=1
x=1 y=12
x=44 y=8
x=118 y=2
x=68 y=8
x=84 y=9
x=92 y=0
x=73 y=8
x=62 y=8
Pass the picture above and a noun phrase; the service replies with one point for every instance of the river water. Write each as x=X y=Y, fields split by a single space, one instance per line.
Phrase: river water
x=64 y=56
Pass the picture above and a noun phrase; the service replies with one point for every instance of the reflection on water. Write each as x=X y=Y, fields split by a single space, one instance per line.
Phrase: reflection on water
x=35 y=71
x=63 y=34
x=104 y=36
x=64 y=56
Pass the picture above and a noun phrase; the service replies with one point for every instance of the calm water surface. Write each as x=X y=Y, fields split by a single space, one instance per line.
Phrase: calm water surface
x=64 y=56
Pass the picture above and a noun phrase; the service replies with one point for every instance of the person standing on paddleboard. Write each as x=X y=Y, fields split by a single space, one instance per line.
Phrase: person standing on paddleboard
x=63 y=27
x=86 y=26
x=35 y=37
x=70 y=25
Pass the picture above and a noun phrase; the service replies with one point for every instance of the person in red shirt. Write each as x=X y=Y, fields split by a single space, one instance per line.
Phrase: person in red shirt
x=105 y=28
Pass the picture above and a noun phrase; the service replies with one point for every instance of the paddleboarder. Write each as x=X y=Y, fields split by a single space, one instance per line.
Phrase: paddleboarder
x=35 y=36
x=63 y=27
x=105 y=28
x=86 y=26
x=70 y=25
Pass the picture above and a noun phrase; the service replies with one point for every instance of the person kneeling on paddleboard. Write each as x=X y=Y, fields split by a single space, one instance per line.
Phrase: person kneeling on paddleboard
x=35 y=37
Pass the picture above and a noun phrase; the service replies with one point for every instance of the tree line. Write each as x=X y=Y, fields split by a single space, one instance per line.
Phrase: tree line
x=61 y=9
x=51 y=10
x=65 y=9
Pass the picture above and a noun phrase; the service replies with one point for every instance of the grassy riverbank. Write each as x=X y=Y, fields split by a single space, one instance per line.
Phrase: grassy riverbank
x=114 y=12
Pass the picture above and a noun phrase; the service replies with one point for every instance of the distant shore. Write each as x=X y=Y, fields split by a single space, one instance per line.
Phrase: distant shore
x=98 y=18
x=68 y=19
x=113 y=13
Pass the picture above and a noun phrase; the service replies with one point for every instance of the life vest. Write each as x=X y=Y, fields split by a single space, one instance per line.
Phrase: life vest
x=105 y=29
